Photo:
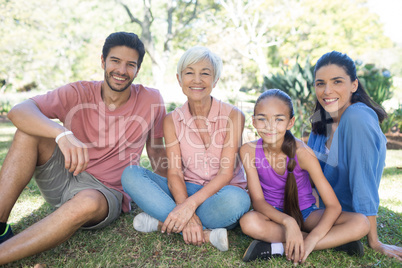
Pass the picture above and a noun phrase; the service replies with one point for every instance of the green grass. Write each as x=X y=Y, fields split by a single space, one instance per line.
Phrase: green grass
x=119 y=245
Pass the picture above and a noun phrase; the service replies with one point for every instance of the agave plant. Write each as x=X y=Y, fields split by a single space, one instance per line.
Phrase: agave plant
x=298 y=83
x=377 y=82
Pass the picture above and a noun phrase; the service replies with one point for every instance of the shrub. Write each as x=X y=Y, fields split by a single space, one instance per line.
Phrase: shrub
x=377 y=82
x=298 y=83
x=5 y=107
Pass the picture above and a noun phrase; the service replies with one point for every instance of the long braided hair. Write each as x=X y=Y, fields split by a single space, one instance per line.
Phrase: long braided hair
x=291 y=199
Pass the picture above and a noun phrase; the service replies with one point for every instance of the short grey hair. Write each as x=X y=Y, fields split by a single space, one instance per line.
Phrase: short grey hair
x=197 y=54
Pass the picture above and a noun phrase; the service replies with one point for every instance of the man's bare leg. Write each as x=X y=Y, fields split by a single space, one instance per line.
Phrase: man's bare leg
x=86 y=208
x=24 y=154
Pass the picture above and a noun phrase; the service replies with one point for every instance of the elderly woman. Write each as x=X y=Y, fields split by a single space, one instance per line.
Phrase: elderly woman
x=204 y=192
x=348 y=141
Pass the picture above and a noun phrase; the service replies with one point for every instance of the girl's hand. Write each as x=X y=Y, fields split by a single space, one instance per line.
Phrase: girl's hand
x=178 y=217
x=294 y=249
x=193 y=232
x=309 y=245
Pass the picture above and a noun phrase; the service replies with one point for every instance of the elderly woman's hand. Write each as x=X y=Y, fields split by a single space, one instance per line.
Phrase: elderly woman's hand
x=193 y=232
x=179 y=217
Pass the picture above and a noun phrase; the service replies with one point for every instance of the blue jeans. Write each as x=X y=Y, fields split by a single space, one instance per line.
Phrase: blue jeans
x=151 y=193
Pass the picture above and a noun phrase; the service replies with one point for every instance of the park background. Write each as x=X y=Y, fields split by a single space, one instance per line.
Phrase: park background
x=263 y=43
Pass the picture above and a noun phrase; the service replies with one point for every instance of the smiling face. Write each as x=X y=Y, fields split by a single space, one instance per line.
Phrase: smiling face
x=197 y=80
x=120 y=67
x=271 y=120
x=334 y=89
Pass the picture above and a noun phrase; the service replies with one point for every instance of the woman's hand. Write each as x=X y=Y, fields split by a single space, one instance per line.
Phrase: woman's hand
x=375 y=243
x=193 y=232
x=179 y=217
x=389 y=250
x=294 y=249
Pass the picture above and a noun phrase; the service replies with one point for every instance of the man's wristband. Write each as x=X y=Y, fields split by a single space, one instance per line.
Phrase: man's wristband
x=63 y=134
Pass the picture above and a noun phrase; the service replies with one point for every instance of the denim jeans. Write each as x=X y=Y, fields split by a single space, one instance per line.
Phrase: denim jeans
x=151 y=193
x=305 y=212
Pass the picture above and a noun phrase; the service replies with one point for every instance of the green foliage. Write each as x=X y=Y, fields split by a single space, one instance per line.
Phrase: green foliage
x=316 y=27
x=47 y=43
x=394 y=121
x=398 y=118
x=298 y=83
x=171 y=106
x=5 y=106
x=51 y=43
x=388 y=123
x=377 y=82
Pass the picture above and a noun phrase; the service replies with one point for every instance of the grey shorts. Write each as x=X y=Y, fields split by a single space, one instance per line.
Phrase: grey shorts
x=58 y=185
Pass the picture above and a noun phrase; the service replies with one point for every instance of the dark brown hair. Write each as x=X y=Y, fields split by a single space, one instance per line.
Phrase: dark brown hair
x=291 y=199
x=127 y=39
x=321 y=120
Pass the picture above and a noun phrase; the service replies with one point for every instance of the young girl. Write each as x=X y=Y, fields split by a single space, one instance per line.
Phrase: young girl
x=278 y=169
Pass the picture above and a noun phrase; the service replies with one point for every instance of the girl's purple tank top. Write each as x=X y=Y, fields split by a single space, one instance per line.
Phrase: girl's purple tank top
x=273 y=184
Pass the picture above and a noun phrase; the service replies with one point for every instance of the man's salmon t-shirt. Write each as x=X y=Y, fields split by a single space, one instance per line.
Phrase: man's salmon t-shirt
x=115 y=137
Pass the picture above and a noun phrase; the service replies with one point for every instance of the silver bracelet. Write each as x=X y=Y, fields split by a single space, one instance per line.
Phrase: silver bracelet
x=63 y=134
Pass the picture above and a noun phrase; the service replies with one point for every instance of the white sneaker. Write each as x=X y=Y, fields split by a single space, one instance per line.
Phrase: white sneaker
x=219 y=239
x=145 y=223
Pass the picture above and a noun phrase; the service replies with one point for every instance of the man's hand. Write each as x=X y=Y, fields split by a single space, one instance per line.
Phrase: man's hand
x=75 y=154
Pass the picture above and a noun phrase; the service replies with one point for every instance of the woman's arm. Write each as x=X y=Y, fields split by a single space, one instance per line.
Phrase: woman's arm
x=184 y=210
x=367 y=149
x=374 y=242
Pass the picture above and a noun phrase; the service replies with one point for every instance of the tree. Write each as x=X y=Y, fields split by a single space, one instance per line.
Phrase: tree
x=175 y=16
x=274 y=33
x=48 y=45
x=344 y=25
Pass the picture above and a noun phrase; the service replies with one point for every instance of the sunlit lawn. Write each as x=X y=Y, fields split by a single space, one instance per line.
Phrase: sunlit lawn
x=119 y=245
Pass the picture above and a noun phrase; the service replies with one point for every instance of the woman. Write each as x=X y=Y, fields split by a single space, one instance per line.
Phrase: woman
x=203 y=194
x=348 y=141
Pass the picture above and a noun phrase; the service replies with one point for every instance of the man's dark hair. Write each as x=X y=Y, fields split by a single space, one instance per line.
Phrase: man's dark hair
x=130 y=40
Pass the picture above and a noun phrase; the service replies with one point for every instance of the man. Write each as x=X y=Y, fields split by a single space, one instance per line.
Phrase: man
x=78 y=165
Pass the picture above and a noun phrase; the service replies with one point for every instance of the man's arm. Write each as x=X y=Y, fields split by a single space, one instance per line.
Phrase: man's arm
x=27 y=117
x=157 y=155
